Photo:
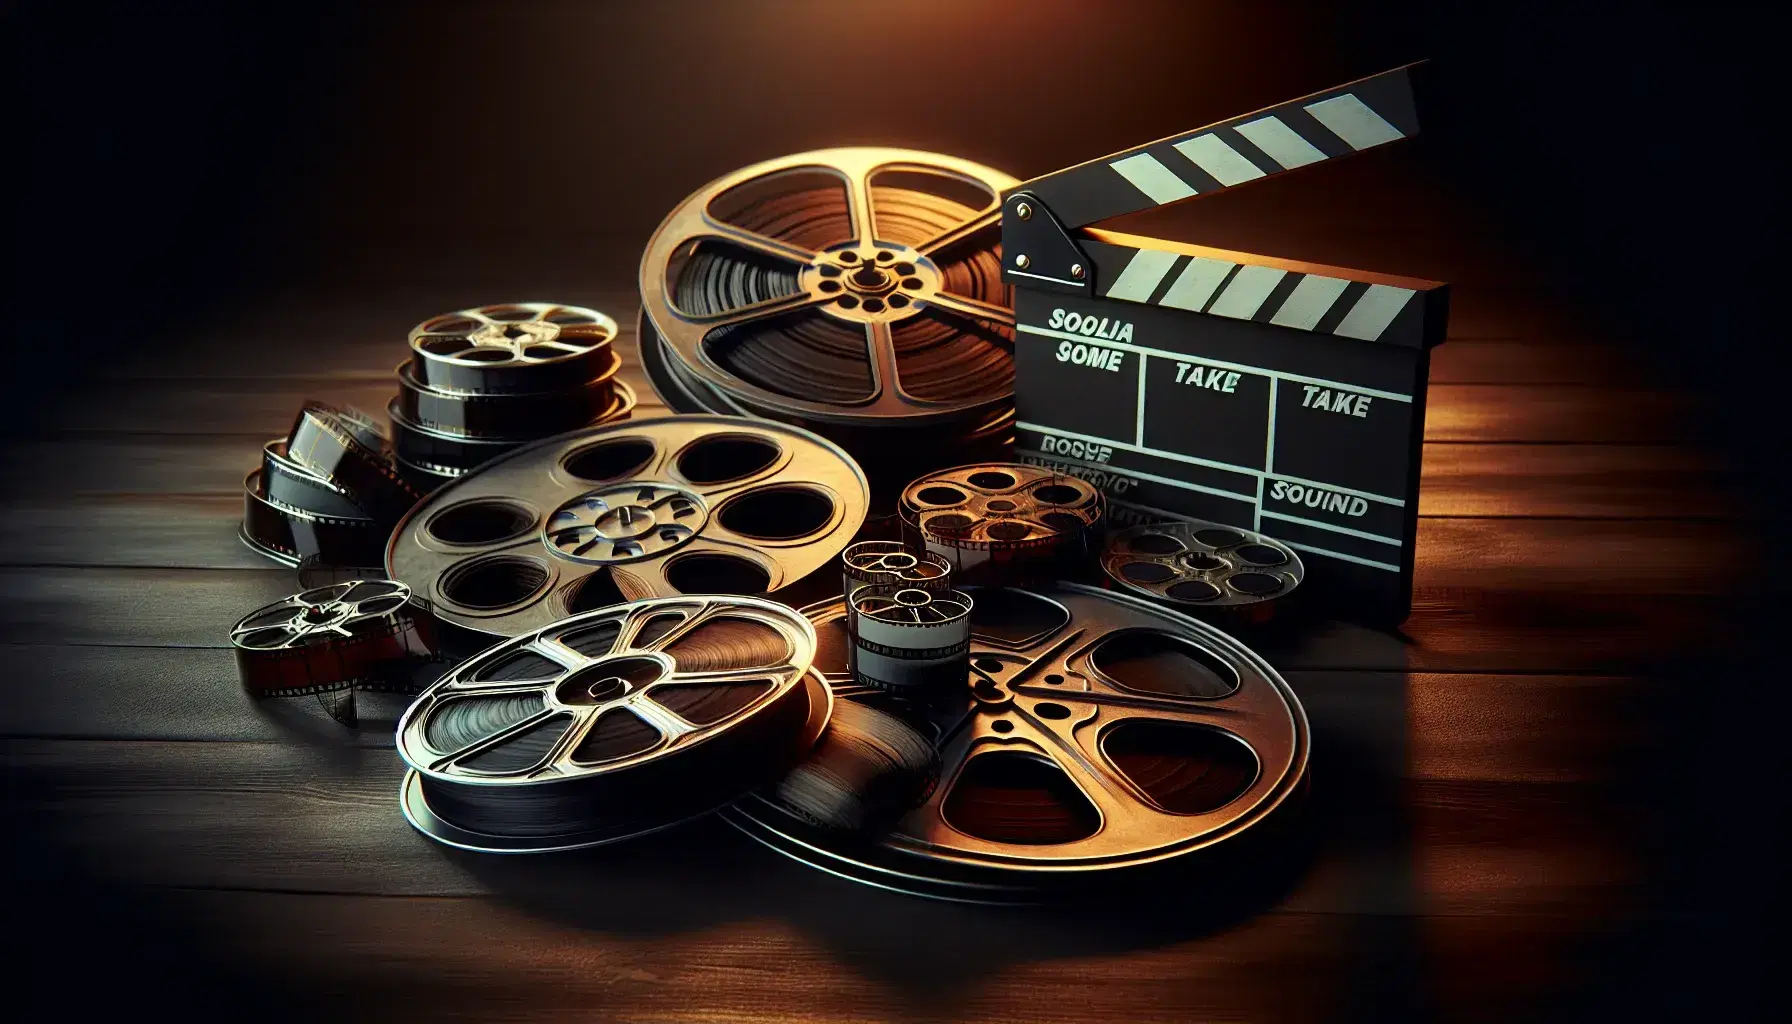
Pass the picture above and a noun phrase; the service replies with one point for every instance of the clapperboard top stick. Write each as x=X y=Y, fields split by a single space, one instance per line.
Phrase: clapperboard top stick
x=1186 y=380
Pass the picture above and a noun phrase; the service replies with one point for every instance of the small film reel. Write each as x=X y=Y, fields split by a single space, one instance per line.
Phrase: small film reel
x=1002 y=524
x=871 y=562
x=909 y=640
x=1197 y=565
x=513 y=348
x=677 y=505
x=354 y=635
x=611 y=724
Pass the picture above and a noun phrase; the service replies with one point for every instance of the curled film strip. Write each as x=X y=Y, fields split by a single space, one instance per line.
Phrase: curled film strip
x=1001 y=523
x=330 y=641
x=611 y=724
x=908 y=640
x=1204 y=567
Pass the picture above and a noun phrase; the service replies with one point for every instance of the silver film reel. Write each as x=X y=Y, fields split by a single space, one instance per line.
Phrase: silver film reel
x=680 y=505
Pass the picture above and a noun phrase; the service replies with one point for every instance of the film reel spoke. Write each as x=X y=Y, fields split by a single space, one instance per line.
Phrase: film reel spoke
x=988 y=219
x=752 y=241
x=973 y=309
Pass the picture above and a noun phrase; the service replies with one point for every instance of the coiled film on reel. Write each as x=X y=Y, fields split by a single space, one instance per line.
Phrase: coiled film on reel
x=611 y=724
x=856 y=292
x=909 y=640
x=683 y=504
x=333 y=640
x=1204 y=567
x=1097 y=736
x=1003 y=523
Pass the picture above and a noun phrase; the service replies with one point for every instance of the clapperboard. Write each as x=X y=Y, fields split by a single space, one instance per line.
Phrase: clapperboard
x=1280 y=396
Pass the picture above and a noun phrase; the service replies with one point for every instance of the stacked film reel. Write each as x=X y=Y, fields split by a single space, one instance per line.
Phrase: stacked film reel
x=1095 y=737
x=628 y=511
x=1205 y=568
x=910 y=630
x=855 y=292
x=327 y=491
x=1000 y=524
x=484 y=381
x=331 y=641
x=611 y=724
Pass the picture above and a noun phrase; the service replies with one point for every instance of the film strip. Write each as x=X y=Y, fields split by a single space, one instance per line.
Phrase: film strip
x=291 y=535
x=333 y=640
x=506 y=415
x=1204 y=567
x=907 y=640
x=344 y=449
x=1002 y=524
x=873 y=562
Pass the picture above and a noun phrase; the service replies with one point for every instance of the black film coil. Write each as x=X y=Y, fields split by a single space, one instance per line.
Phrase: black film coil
x=332 y=640
x=290 y=535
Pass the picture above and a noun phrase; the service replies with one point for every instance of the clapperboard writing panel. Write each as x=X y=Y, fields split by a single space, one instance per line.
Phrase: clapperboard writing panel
x=1276 y=395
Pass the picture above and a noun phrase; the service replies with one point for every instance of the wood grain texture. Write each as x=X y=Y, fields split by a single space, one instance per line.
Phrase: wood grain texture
x=1471 y=774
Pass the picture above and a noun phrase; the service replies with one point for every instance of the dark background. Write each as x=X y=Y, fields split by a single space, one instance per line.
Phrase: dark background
x=174 y=165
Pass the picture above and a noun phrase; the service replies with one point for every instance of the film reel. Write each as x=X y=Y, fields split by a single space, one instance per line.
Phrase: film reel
x=354 y=635
x=1098 y=736
x=850 y=291
x=1201 y=566
x=1003 y=523
x=909 y=640
x=611 y=724
x=683 y=504
x=873 y=562
x=513 y=348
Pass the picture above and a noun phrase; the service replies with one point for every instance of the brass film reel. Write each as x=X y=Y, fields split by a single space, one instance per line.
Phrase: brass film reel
x=850 y=291
x=1003 y=523
x=1200 y=566
x=612 y=723
x=679 y=505
x=1096 y=735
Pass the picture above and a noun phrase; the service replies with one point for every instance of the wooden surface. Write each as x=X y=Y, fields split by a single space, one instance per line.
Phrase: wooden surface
x=1475 y=829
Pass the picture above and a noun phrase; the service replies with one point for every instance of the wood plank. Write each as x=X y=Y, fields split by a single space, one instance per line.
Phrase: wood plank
x=1492 y=595
x=355 y=957
x=163 y=482
x=206 y=815
x=1555 y=413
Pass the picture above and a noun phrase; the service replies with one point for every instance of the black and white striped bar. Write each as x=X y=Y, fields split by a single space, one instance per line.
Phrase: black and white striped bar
x=1337 y=122
x=1300 y=296
x=909 y=640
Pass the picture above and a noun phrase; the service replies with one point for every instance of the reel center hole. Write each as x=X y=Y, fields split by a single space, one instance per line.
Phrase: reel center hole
x=608 y=680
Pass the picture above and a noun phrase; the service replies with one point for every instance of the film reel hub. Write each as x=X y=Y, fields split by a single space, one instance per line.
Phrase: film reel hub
x=625 y=522
x=871 y=284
